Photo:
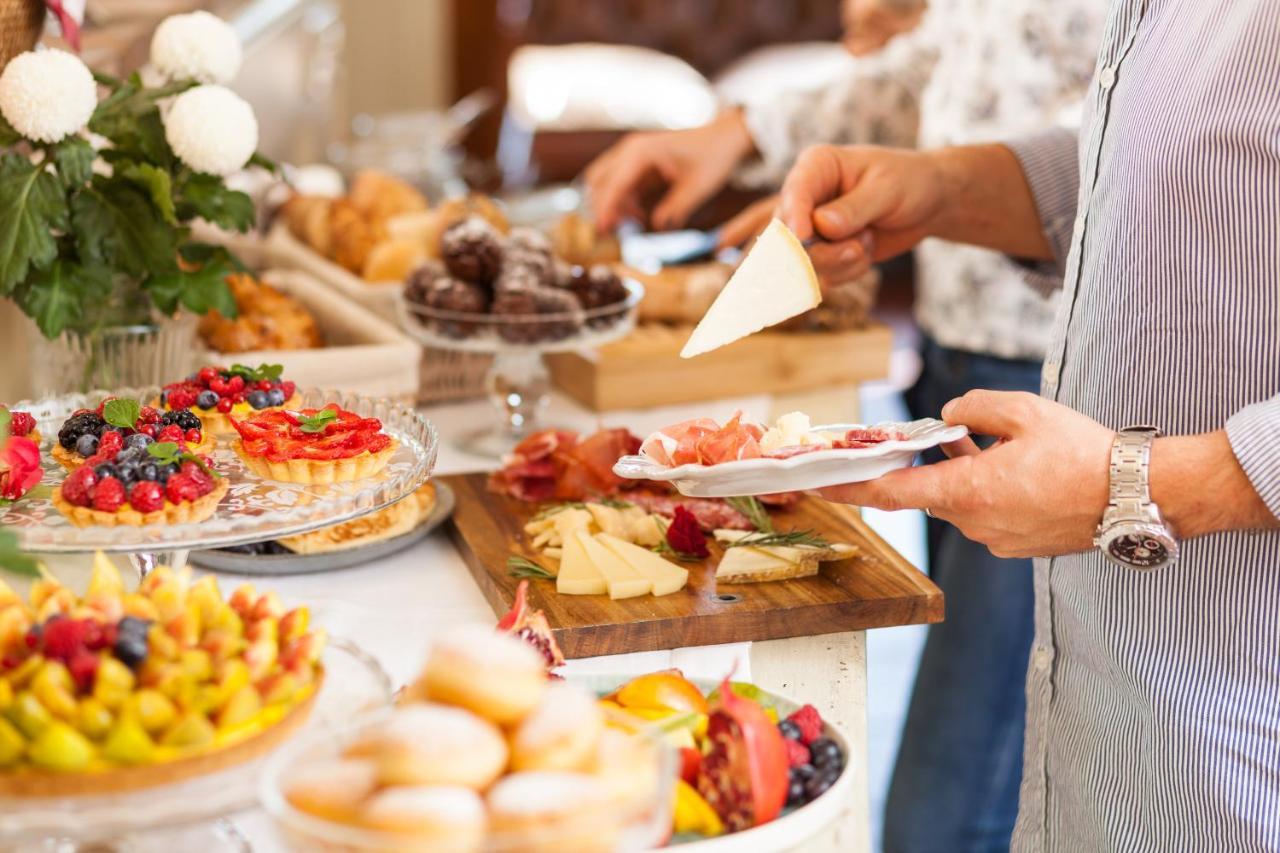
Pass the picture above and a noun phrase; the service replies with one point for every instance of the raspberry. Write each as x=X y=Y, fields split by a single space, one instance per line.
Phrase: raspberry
x=21 y=423
x=219 y=386
x=146 y=496
x=235 y=384
x=110 y=443
x=84 y=668
x=103 y=405
x=148 y=415
x=797 y=753
x=225 y=404
x=78 y=487
x=810 y=723
x=193 y=436
x=182 y=487
x=172 y=432
x=202 y=480
x=108 y=495
x=264 y=384
x=99 y=635
x=151 y=429
x=207 y=375
x=288 y=389
x=181 y=398
x=64 y=637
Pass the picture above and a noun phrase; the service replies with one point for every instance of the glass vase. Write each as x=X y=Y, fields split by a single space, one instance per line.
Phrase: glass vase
x=118 y=356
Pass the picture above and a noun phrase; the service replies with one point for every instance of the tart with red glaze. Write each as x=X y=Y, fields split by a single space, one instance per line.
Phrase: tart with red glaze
x=329 y=445
x=119 y=423
x=23 y=425
x=163 y=484
x=217 y=394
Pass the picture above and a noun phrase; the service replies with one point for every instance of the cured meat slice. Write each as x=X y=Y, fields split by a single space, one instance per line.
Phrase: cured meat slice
x=866 y=437
x=733 y=441
x=677 y=444
x=711 y=513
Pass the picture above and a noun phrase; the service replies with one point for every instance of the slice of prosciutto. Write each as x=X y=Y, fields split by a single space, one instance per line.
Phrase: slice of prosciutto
x=866 y=437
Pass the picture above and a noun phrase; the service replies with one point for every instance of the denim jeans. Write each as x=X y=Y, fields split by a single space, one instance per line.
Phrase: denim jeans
x=955 y=784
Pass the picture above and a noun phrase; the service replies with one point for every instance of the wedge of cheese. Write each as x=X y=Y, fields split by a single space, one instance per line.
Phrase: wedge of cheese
x=833 y=550
x=774 y=282
x=623 y=581
x=608 y=519
x=756 y=565
x=665 y=575
x=578 y=575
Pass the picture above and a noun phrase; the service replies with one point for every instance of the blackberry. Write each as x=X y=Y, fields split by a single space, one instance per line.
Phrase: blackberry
x=85 y=423
x=187 y=419
x=826 y=751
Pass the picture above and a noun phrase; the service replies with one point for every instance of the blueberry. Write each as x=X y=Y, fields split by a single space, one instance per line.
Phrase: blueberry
x=133 y=625
x=207 y=399
x=139 y=440
x=131 y=651
x=129 y=456
x=163 y=474
x=148 y=471
x=105 y=470
x=127 y=474
x=258 y=399
x=805 y=771
x=275 y=397
x=789 y=729
x=818 y=785
x=795 y=791
x=825 y=751
x=87 y=445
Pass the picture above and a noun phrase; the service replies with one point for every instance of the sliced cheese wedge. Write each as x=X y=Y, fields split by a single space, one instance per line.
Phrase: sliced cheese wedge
x=623 y=580
x=774 y=282
x=608 y=519
x=665 y=575
x=833 y=551
x=756 y=565
x=647 y=531
x=578 y=575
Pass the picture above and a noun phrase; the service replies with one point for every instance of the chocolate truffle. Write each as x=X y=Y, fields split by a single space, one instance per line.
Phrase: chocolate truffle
x=598 y=287
x=519 y=307
x=456 y=297
x=472 y=250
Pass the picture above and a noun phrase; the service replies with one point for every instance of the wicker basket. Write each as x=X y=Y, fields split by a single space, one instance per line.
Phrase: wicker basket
x=21 y=22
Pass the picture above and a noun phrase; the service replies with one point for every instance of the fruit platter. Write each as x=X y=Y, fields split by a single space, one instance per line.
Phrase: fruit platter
x=123 y=710
x=328 y=458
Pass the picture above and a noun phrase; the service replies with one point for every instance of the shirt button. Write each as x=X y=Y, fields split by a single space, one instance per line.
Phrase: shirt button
x=1107 y=77
x=1041 y=659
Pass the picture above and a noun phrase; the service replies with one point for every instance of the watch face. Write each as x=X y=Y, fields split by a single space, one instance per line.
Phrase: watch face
x=1138 y=550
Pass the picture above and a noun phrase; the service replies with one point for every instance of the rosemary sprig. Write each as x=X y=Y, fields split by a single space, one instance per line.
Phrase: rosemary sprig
x=754 y=511
x=614 y=503
x=664 y=548
x=557 y=508
x=790 y=539
x=523 y=567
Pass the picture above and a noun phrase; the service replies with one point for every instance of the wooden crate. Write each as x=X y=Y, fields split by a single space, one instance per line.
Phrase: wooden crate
x=645 y=369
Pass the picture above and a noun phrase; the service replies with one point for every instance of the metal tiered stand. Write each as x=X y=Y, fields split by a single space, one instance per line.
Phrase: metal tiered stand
x=517 y=383
x=177 y=816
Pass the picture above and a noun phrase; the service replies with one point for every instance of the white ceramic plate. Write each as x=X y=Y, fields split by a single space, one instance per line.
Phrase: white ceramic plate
x=814 y=470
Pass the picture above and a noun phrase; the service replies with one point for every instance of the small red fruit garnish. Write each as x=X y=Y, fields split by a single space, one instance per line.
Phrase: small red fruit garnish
x=193 y=436
x=146 y=496
x=225 y=404
x=531 y=626
x=108 y=495
x=99 y=635
x=110 y=443
x=288 y=389
x=181 y=398
x=264 y=384
x=797 y=753
x=207 y=374
x=84 y=669
x=182 y=488
x=172 y=432
x=809 y=721
x=63 y=637
x=151 y=429
x=685 y=535
x=21 y=424
x=690 y=764
x=236 y=384
x=744 y=774
x=77 y=489
x=148 y=415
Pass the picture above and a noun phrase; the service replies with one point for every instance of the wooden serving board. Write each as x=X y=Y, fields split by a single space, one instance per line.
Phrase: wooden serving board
x=637 y=371
x=875 y=589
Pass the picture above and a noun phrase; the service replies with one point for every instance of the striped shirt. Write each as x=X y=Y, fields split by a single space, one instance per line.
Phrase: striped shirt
x=1153 y=718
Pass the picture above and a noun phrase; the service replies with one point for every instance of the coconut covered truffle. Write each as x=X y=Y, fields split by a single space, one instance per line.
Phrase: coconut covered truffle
x=472 y=250
x=521 y=308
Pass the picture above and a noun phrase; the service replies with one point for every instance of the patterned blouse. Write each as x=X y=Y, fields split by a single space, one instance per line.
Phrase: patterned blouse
x=974 y=70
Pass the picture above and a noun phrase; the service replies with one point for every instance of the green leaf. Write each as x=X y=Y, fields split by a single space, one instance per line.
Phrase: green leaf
x=522 y=567
x=200 y=290
x=207 y=197
x=13 y=560
x=129 y=117
x=263 y=162
x=159 y=187
x=8 y=136
x=116 y=225
x=74 y=158
x=171 y=453
x=32 y=207
x=122 y=413
x=270 y=372
x=56 y=298
x=318 y=421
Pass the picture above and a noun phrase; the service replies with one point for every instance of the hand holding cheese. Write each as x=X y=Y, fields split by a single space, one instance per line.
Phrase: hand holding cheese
x=774 y=282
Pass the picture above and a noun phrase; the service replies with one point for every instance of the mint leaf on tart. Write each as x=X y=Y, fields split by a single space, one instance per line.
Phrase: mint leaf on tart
x=269 y=372
x=170 y=453
x=121 y=413
x=318 y=421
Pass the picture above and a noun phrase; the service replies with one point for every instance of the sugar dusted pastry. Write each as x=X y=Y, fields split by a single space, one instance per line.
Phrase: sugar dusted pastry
x=514 y=677
x=551 y=811
x=562 y=732
x=334 y=789
x=442 y=819
x=428 y=744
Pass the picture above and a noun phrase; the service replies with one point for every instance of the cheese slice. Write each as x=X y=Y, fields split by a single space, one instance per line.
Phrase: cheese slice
x=608 y=519
x=665 y=575
x=774 y=282
x=623 y=580
x=647 y=531
x=578 y=575
x=756 y=565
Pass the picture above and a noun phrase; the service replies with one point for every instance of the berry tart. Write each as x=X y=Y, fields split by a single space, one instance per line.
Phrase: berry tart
x=329 y=445
x=218 y=393
x=161 y=483
x=120 y=690
x=118 y=424
x=22 y=425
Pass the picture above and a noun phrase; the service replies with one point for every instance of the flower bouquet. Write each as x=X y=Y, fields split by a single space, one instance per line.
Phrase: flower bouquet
x=97 y=194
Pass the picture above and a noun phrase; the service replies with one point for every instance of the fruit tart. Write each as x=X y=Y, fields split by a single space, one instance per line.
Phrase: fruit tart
x=120 y=690
x=159 y=483
x=21 y=425
x=217 y=393
x=329 y=445
x=119 y=424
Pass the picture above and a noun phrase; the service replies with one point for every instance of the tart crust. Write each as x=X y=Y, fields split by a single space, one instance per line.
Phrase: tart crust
x=318 y=471
x=183 y=513
x=216 y=423
x=46 y=783
x=71 y=460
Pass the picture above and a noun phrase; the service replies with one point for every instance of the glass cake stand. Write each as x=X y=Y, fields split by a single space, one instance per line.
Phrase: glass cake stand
x=188 y=815
x=517 y=383
x=253 y=510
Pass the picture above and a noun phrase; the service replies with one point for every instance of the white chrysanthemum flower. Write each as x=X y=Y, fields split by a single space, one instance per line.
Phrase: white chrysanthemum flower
x=47 y=94
x=211 y=129
x=196 y=46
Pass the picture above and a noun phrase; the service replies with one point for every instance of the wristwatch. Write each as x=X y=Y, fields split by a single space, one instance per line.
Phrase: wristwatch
x=1132 y=533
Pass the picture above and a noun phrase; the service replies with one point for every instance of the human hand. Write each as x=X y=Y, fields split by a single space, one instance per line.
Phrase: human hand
x=1040 y=491
x=840 y=265
x=694 y=164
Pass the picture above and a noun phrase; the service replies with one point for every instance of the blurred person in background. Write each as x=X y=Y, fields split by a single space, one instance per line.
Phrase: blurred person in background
x=960 y=71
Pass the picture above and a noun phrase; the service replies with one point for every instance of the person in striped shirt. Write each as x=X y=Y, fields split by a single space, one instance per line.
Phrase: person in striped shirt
x=1153 y=716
